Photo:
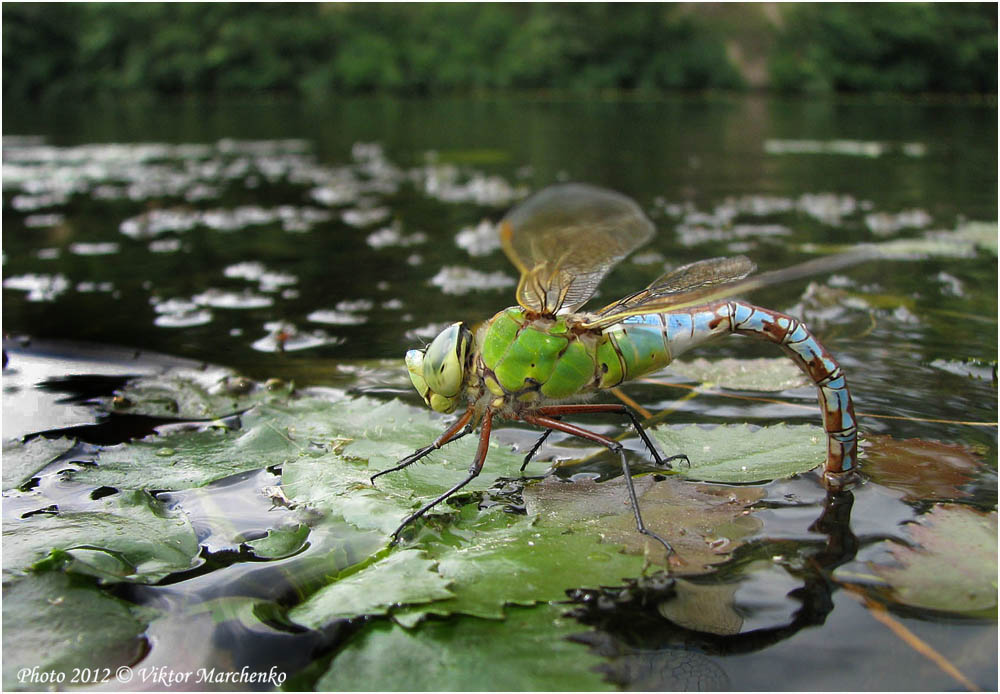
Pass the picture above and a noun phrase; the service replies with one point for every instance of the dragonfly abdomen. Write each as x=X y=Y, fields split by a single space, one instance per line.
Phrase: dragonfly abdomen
x=686 y=329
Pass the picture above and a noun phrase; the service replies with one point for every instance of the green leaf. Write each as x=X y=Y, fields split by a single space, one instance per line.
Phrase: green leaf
x=57 y=622
x=402 y=578
x=952 y=565
x=526 y=652
x=188 y=394
x=128 y=537
x=22 y=461
x=280 y=542
x=494 y=559
x=184 y=459
x=739 y=453
x=743 y=374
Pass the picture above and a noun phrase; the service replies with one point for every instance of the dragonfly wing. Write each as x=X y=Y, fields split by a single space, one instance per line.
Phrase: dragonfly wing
x=565 y=239
x=713 y=280
x=687 y=278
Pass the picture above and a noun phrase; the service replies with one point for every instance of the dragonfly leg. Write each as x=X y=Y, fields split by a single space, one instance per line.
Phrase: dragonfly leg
x=556 y=411
x=549 y=422
x=534 y=449
x=474 y=470
x=456 y=431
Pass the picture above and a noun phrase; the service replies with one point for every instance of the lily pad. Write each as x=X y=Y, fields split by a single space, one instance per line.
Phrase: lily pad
x=402 y=578
x=186 y=458
x=739 y=453
x=22 y=461
x=56 y=622
x=962 y=242
x=495 y=559
x=952 y=565
x=127 y=537
x=768 y=375
x=526 y=652
x=187 y=394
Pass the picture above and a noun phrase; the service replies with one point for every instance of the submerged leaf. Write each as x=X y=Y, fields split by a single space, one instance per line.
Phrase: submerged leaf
x=704 y=523
x=527 y=651
x=739 y=453
x=921 y=469
x=743 y=374
x=59 y=622
x=952 y=566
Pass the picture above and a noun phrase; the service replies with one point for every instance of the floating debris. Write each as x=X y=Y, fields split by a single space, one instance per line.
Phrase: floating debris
x=36 y=221
x=285 y=337
x=454 y=279
x=885 y=224
x=479 y=240
x=218 y=298
x=165 y=246
x=105 y=248
x=39 y=287
x=393 y=236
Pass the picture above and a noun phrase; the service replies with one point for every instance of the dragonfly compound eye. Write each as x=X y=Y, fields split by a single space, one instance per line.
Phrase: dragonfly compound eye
x=415 y=365
x=444 y=366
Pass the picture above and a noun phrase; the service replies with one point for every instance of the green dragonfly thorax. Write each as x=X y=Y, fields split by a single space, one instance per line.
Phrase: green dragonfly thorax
x=519 y=360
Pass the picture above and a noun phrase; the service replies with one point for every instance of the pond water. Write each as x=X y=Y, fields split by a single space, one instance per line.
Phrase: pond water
x=311 y=242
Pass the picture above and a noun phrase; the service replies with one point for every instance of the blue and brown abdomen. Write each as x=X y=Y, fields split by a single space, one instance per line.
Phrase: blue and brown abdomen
x=685 y=329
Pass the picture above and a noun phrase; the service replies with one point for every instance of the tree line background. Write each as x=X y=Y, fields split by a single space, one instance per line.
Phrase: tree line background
x=314 y=50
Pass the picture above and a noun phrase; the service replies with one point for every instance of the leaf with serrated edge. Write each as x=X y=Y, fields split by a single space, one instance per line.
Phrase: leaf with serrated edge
x=739 y=453
x=405 y=577
x=22 y=461
x=526 y=652
x=127 y=537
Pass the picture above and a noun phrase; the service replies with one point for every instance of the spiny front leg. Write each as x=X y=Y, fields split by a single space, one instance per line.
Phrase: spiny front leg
x=456 y=431
x=534 y=448
x=548 y=422
x=474 y=470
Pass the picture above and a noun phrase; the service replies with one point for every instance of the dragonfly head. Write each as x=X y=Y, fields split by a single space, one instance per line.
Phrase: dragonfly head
x=438 y=371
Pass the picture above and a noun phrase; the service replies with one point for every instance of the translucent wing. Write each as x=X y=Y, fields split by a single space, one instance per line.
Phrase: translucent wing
x=713 y=280
x=565 y=239
x=687 y=278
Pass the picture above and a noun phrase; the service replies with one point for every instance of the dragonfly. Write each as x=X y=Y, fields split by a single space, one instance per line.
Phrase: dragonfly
x=538 y=362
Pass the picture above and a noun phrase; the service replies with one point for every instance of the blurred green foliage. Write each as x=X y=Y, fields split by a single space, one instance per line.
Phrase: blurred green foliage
x=80 y=50
x=905 y=47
